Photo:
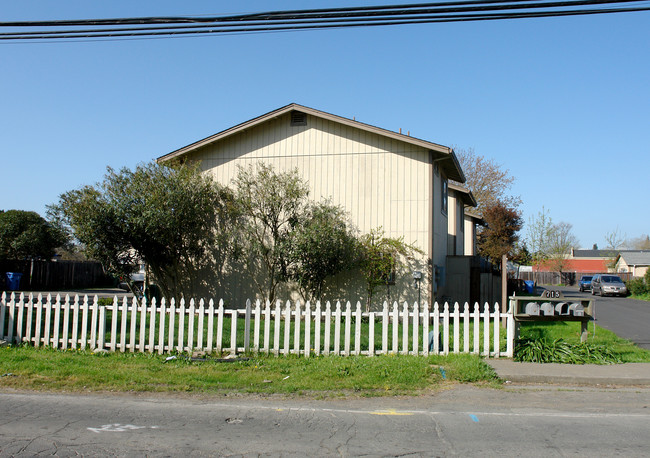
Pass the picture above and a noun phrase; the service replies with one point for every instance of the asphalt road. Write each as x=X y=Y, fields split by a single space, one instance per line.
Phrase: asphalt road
x=460 y=421
x=628 y=318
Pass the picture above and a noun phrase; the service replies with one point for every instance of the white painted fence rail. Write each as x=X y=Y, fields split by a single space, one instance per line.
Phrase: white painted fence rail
x=339 y=329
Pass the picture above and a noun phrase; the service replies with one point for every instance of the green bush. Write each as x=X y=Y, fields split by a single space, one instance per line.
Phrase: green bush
x=638 y=286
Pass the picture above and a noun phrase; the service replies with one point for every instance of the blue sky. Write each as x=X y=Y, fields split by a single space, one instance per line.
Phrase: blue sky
x=562 y=103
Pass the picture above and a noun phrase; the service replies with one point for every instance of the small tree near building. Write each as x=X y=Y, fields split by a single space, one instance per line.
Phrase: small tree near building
x=500 y=236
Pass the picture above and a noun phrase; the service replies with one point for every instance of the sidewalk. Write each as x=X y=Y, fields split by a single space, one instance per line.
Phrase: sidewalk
x=572 y=374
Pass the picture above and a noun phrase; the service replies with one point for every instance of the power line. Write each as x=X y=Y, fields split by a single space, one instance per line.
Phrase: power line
x=295 y=20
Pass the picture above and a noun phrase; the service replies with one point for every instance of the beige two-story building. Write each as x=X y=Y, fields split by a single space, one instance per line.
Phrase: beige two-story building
x=380 y=177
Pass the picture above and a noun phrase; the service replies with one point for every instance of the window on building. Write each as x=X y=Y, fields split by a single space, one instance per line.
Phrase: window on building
x=445 y=196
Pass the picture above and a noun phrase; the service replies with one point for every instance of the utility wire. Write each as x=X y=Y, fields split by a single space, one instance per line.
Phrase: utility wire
x=323 y=19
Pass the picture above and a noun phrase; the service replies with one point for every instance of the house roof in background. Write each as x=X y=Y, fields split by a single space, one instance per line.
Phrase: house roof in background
x=636 y=258
x=445 y=155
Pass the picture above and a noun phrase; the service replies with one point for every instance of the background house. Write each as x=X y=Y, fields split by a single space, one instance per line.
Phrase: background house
x=381 y=178
x=633 y=262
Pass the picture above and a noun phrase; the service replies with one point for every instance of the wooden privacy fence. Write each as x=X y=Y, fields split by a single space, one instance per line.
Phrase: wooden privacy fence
x=280 y=329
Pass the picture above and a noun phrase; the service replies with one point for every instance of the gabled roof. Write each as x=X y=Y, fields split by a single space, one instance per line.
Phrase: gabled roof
x=443 y=154
x=464 y=194
x=636 y=258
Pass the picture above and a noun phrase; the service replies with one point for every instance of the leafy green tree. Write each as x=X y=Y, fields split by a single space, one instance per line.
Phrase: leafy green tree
x=176 y=220
x=322 y=245
x=272 y=204
x=380 y=257
x=26 y=235
x=500 y=236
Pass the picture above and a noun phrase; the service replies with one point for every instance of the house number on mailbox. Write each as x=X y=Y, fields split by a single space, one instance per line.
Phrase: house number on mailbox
x=551 y=294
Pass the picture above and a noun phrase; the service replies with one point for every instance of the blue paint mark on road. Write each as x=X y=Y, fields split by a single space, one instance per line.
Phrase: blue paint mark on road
x=443 y=373
x=474 y=418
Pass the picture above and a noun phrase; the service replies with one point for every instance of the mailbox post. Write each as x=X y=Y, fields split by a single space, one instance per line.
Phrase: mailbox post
x=552 y=306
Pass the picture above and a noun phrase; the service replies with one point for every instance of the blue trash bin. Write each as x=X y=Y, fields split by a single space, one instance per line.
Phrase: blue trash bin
x=530 y=286
x=13 y=281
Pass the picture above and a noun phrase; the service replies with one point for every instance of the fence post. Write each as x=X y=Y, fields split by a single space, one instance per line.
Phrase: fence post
x=497 y=322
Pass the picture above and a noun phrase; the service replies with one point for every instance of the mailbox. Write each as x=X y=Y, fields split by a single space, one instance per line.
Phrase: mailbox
x=552 y=306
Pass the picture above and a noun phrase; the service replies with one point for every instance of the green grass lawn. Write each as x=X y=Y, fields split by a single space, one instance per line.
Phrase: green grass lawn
x=25 y=367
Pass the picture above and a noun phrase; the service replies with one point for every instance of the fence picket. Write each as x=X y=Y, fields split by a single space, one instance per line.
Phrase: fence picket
x=466 y=328
x=497 y=320
x=357 y=329
x=57 y=322
x=75 y=323
x=395 y=328
x=39 y=317
x=220 y=327
x=307 y=330
x=384 y=329
x=84 y=323
x=276 y=329
x=456 y=328
x=476 y=316
x=337 y=329
x=191 y=315
x=267 y=327
x=94 y=321
x=180 y=346
x=199 y=332
x=152 y=323
x=210 y=326
x=486 y=330
x=101 y=333
x=30 y=316
x=247 y=327
x=317 y=326
x=19 y=321
x=172 y=325
x=10 y=319
x=348 y=327
x=425 y=329
x=287 y=327
x=125 y=306
x=256 y=327
x=371 y=334
x=405 y=329
x=416 y=328
x=161 y=327
x=328 y=322
x=233 y=331
x=3 y=313
x=296 y=330
x=436 y=328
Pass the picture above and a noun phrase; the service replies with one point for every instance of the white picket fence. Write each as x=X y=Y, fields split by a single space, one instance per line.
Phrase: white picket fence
x=127 y=325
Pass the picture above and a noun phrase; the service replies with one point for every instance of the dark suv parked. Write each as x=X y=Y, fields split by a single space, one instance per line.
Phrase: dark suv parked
x=608 y=285
x=585 y=283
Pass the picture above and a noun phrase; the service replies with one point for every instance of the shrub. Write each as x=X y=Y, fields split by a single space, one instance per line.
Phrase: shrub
x=637 y=286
